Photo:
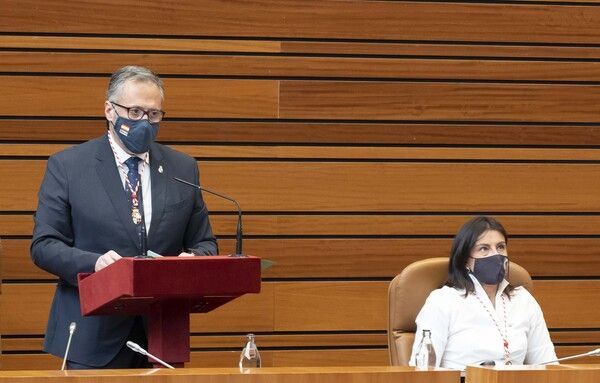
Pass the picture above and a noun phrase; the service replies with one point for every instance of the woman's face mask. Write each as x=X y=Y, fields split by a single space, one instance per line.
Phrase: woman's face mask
x=490 y=270
x=489 y=257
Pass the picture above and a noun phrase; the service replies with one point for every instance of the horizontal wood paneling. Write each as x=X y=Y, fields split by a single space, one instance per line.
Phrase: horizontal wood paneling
x=369 y=257
x=332 y=186
x=80 y=96
x=357 y=135
x=439 y=49
x=134 y=44
x=252 y=312
x=364 y=225
x=561 y=300
x=301 y=358
x=319 y=67
x=326 y=48
x=211 y=342
x=208 y=98
x=236 y=340
x=318 y=19
x=293 y=306
x=563 y=337
x=318 y=305
x=439 y=101
x=297 y=358
x=322 y=132
x=350 y=153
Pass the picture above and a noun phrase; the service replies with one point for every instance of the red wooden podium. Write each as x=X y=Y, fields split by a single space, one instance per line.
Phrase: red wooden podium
x=166 y=290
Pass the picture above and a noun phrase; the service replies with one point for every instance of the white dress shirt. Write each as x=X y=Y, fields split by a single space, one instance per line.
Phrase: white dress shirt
x=144 y=170
x=463 y=331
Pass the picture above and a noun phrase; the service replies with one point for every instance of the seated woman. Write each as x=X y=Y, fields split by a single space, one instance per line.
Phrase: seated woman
x=477 y=316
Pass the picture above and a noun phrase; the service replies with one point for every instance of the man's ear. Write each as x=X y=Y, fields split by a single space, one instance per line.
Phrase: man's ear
x=108 y=111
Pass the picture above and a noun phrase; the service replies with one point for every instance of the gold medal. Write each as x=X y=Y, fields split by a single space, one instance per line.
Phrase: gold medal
x=136 y=216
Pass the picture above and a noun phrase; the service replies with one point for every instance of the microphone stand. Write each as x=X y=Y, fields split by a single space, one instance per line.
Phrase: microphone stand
x=595 y=352
x=72 y=328
x=137 y=348
x=238 y=233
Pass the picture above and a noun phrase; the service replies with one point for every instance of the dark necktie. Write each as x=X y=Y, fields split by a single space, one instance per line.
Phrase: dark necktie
x=134 y=189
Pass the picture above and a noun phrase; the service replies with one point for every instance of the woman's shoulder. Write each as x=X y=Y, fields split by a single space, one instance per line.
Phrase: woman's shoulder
x=445 y=294
x=521 y=295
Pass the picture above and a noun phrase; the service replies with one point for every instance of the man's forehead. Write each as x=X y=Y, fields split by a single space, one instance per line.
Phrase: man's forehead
x=143 y=90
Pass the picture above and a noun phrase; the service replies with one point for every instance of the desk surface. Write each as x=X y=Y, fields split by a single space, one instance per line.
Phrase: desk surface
x=383 y=374
x=563 y=373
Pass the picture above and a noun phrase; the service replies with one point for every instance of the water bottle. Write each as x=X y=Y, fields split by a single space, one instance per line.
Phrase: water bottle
x=250 y=358
x=425 y=356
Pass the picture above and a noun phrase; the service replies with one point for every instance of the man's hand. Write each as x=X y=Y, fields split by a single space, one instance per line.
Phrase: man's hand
x=106 y=259
x=184 y=254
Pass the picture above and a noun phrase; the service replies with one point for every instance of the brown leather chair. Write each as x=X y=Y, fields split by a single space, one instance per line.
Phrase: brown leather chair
x=407 y=294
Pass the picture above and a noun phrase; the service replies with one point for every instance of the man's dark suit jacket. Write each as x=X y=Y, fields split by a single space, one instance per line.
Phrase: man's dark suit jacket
x=84 y=211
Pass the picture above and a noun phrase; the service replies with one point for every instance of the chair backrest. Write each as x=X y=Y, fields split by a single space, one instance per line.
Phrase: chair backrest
x=407 y=294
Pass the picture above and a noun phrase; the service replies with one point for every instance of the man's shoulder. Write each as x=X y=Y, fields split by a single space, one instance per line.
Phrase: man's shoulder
x=173 y=155
x=77 y=152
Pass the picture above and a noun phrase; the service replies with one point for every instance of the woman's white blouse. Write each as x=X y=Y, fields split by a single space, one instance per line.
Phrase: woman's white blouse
x=464 y=333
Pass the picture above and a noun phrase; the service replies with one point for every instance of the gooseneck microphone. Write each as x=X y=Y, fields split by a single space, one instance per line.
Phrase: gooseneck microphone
x=72 y=328
x=595 y=352
x=137 y=348
x=238 y=234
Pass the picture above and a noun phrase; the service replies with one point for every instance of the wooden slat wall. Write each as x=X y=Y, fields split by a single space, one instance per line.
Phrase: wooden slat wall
x=357 y=135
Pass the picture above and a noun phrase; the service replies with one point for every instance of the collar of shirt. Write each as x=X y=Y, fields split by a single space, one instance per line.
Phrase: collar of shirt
x=121 y=155
x=479 y=289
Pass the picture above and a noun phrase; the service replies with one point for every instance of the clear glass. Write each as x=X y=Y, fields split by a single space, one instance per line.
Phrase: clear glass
x=425 y=357
x=250 y=357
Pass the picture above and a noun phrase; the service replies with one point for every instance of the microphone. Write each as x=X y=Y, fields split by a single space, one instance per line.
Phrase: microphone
x=595 y=352
x=137 y=348
x=238 y=233
x=72 y=328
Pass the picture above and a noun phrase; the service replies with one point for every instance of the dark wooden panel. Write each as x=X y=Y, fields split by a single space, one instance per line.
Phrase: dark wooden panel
x=30 y=362
x=316 y=19
x=563 y=351
x=342 y=357
x=25 y=308
x=439 y=50
x=317 y=306
x=249 y=313
x=80 y=96
x=287 y=46
x=320 y=67
x=564 y=337
x=439 y=101
x=337 y=186
x=569 y=303
x=279 y=358
x=320 y=340
x=367 y=224
x=296 y=132
x=370 y=257
x=269 y=340
x=310 y=306
x=368 y=153
x=135 y=44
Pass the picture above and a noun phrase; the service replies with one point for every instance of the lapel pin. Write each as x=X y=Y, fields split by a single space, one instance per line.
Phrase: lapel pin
x=160 y=169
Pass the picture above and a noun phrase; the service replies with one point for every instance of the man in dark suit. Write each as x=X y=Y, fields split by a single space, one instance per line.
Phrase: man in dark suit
x=96 y=203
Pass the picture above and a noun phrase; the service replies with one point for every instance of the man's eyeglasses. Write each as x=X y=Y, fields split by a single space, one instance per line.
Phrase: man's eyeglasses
x=137 y=113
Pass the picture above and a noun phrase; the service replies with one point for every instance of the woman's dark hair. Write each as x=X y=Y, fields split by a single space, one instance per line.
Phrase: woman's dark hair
x=464 y=242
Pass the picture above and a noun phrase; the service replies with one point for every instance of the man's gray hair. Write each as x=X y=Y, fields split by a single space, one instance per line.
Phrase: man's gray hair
x=131 y=72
